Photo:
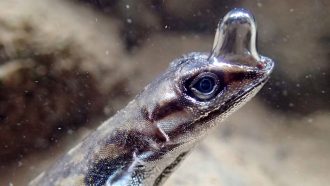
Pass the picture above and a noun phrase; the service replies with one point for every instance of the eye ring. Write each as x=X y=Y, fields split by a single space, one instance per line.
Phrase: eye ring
x=204 y=86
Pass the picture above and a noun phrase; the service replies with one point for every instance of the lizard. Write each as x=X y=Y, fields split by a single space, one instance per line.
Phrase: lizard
x=142 y=144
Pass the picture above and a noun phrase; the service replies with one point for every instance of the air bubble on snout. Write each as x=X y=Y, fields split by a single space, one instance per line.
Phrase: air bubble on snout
x=236 y=36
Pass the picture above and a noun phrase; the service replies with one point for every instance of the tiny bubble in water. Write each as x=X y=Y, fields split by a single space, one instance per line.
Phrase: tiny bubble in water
x=19 y=164
x=310 y=120
x=259 y=4
x=129 y=20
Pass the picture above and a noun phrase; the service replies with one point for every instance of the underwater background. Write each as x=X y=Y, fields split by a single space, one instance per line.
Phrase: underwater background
x=67 y=65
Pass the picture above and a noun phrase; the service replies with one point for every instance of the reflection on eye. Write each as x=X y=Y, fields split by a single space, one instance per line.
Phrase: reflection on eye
x=204 y=87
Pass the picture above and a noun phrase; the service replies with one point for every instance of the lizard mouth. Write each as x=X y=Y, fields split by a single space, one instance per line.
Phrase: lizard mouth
x=243 y=95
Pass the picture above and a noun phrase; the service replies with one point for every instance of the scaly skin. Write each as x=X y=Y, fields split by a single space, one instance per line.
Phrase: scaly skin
x=144 y=142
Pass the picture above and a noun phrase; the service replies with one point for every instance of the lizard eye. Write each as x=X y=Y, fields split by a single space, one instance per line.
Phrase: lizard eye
x=205 y=86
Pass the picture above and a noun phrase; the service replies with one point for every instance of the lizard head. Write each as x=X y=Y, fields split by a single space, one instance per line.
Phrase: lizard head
x=200 y=89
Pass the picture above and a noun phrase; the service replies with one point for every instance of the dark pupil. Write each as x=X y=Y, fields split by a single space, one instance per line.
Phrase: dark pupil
x=205 y=85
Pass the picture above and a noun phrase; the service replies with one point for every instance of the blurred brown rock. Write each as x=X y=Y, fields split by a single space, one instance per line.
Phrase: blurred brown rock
x=57 y=72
